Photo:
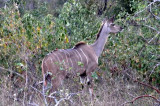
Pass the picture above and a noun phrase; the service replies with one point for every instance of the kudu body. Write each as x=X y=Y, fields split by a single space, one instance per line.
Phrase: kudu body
x=81 y=60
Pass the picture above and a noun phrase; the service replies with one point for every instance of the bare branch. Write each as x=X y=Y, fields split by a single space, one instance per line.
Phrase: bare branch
x=56 y=101
x=142 y=96
x=144 y=8
x=66 y=98
x=151 y=28
x=154 y=69
x=3 y=69
x=130 y=94
x=158 y=91
x=154 y=37
x=33 y=104
x=158 y=32
x=153 y=13
x=36 y=89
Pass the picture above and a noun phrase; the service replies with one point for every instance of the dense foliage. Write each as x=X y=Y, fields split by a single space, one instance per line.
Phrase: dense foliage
x=138 y=45
x=26 y=37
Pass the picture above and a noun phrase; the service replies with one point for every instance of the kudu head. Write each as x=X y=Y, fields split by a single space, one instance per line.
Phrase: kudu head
x=110 y=27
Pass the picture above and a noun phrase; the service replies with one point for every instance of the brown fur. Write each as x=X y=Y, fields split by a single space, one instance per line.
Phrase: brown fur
x=79 y=44
x=61 y=71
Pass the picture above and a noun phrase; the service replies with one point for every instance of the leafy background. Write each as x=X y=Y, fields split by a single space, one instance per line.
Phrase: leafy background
x=31 y=29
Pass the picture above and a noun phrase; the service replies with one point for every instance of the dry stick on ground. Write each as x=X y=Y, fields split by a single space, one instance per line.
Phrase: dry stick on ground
x=142 y=96
x=154 y=88
x=68 y=97
x=158 y=91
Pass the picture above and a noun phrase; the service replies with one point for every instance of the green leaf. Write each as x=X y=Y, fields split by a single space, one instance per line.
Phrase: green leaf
x=94 y=75
x=80 y=64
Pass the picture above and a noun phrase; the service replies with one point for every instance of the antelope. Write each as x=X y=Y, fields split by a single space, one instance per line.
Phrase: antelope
x=81 y=60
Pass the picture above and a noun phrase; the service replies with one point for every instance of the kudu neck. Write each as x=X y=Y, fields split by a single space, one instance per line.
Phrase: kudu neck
x=99 y=44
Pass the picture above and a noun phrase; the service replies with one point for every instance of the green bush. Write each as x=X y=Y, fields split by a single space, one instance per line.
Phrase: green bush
x=138 y=45
x=36 y=33
x=23 y=37
x=77 y=23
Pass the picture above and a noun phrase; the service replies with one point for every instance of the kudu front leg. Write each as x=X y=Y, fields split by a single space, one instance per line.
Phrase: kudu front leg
x=86 y=81
x=90 y=83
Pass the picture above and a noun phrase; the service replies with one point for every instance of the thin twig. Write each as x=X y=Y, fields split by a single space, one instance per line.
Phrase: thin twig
x=3 y=69
x=158 y=91
x=56 y=101
x=154 y=37
x=144 y=8
x=151 y=28
x=154 y=69
x=33 y=104
x=153 y=13
x=66 y=98
x=26 y=83
x=36 y=89
x=43 y=91
x=44 y=94
x=142 y=96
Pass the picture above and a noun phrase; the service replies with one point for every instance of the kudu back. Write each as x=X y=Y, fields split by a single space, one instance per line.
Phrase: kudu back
x=81 y=60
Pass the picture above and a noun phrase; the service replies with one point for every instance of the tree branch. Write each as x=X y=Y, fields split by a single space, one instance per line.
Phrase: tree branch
x=154 y=69
x=144 y=8
x=142 y=96
x=3 y=69
x=158 y=91
x=67 y=97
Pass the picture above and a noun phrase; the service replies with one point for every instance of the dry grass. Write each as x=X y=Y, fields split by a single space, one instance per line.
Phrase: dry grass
x=112 y=90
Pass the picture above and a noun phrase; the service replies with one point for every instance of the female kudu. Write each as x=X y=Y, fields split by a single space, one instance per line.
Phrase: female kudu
x=81 y=60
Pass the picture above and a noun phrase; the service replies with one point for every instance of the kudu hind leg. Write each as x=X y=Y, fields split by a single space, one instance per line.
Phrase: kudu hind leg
x=86 y=81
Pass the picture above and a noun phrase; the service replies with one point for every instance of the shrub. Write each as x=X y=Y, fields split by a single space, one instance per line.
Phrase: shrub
x=76 y=23
x=22 y=38
x=138 y=45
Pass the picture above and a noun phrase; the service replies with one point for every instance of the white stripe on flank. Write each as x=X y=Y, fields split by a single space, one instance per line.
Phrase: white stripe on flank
x=66 y=58
x=79 y=55
x=60 y=55
x=57 y=57
x=51 y=60
x=76 y=60
x=85 y=56
x=70 y=59
x=76 y=55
